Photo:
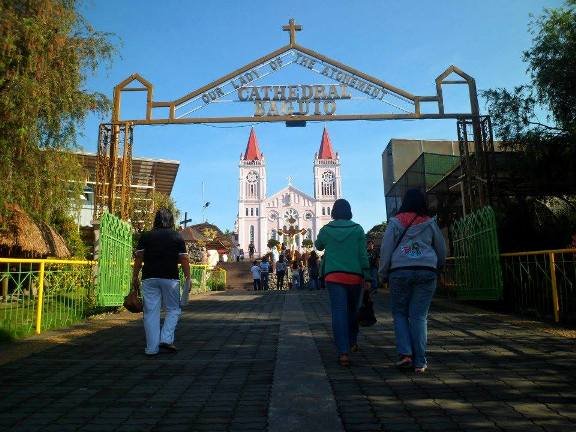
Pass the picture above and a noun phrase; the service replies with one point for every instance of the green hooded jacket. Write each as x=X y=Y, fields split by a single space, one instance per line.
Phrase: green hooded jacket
x=344 y=243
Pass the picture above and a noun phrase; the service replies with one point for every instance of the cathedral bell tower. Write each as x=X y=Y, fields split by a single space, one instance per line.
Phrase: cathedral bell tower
x=251 y=197
x=327 y=180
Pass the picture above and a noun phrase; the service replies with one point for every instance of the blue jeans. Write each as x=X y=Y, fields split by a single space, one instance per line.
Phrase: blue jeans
x=374 y=278
x=314 y=283
x=155 y=293
x=264 y=278
x=411 y=293
x=345 y=301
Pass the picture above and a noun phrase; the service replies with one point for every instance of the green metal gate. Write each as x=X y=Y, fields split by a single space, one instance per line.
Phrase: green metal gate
x=477 y=256
x=114 y=258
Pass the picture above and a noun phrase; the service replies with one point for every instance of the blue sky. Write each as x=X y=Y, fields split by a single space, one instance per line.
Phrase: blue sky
x=180 y=46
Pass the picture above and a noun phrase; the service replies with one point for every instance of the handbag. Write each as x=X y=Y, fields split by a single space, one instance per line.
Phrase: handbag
x=365 y=315
x=133 y=302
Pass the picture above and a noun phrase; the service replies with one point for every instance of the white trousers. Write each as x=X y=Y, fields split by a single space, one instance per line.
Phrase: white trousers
x=155 y=294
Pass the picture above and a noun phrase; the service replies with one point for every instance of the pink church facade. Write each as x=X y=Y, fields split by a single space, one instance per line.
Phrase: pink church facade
x=262 y=217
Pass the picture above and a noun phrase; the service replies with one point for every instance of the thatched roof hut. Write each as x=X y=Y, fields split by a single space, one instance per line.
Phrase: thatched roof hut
x=22 y=237
x=190 y=234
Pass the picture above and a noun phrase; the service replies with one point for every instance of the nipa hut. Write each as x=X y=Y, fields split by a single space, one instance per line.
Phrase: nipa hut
x=22 y=237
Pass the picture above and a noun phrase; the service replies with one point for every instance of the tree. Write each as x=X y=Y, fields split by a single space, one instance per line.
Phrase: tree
x=272 y=243
x=307 y=243
x=46 y=51
x=551 y=92
x=538 y=120
x=376 y=232
x=144 y=212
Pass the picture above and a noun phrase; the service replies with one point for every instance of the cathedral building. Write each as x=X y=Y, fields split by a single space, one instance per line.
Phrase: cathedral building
x=262 y=217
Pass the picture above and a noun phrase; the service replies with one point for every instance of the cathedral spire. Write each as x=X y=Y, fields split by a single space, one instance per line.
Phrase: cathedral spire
x=326 y=151
x=252 y=151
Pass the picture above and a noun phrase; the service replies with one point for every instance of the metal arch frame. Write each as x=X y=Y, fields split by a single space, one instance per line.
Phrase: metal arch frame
x=109 y=137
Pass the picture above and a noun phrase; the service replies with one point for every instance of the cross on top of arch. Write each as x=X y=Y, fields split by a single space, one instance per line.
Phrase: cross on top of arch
x=292 y=28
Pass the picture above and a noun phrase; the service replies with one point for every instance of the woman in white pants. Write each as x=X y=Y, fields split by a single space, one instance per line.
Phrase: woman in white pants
x=158 y=254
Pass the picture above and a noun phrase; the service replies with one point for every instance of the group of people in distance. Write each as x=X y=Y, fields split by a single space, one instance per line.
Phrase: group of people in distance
x=298 y=273
x=411 y=255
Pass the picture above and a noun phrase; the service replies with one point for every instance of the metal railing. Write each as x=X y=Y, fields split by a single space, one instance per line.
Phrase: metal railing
x=536 y=283
x=205 y=279
x=216 y=280
x=541 y=283
x=42 y=294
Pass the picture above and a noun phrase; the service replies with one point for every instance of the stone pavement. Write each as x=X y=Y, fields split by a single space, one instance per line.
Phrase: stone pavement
x=266 y=362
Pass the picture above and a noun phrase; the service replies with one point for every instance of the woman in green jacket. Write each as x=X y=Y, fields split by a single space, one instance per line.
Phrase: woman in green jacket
x=345 y=269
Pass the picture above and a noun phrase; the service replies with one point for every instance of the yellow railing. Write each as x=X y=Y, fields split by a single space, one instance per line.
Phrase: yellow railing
x=39 y=294
x=542 y=283
x=539 y=283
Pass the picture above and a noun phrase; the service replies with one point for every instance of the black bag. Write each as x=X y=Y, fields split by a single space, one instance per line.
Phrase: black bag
x=365 y=316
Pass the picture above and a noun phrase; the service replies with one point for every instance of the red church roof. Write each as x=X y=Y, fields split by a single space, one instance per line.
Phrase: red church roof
x=326 y=150
x=252 y=151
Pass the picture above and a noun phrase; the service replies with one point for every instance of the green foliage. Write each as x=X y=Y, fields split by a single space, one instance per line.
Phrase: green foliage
x=144 y=212
x=552 y=70
x=68 y=229
x=272 y=243
x=307 y=243
x=376 y=232
x=46 y=51
x=538 y=120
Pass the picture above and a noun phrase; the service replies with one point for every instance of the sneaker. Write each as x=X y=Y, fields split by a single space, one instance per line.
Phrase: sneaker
x=405 y=362
x=420 y=370
x=168 y=347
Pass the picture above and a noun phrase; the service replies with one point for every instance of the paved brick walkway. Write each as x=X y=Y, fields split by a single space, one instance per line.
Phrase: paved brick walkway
x=486 y=373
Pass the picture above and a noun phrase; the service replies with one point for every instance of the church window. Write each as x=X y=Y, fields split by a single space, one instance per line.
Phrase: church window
x=328 y=211
x=251 y=233
x=323 y=211
x=291 y=214
x=256 y=211
x=274 y=235
x=298 y=240
x=246 y=211
x=252 y=211
x=309 y=234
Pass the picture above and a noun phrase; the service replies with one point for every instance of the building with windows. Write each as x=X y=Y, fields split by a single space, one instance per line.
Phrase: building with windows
x=148 y=176
x=262 y=217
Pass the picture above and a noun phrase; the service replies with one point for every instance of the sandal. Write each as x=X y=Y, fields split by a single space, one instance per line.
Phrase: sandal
x=420 y=370
x=344 y=360
x=405 y=362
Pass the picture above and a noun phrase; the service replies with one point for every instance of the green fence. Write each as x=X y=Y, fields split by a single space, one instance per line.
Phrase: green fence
x=38 y=295
x=476 y=256
x=114 y=257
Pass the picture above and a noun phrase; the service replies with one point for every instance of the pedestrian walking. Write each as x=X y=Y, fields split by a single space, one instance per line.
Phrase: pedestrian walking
x=346 y=273
x=295 y=275
x=158 y=254
x=301 y=272
x=255 y=270
x=313 y=271
x=280 y=272
x=412 y=252
x=264 y=272
x=251 y=250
